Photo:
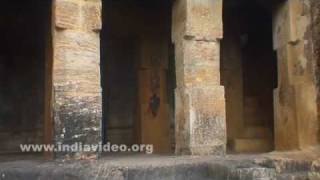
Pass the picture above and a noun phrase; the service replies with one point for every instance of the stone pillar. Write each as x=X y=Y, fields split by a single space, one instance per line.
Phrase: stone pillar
x=76 y=74
x=315 y=38
x=296 y=123
x=200 y=101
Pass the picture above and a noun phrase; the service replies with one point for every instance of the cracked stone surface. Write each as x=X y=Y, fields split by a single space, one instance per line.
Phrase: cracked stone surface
x=271 y=166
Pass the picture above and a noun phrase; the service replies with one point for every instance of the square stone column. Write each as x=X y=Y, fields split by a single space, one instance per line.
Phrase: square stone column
x=295 y=98
x=76 y=74
x=200 y=99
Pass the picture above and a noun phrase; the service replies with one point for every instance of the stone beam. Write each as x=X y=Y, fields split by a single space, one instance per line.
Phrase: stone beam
x=200 y=101
x=76 y=74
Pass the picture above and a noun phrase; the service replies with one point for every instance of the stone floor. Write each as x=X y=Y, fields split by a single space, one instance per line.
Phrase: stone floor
x=283 y=166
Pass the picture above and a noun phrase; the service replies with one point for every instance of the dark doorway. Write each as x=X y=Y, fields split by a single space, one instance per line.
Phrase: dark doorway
x=249 y=74
x=24 y=56
x=137 y=77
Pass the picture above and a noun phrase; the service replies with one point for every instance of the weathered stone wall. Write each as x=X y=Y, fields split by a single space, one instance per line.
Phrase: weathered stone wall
x=200 y=102
x=296 y=117
x=76 y=73
x=314 y=37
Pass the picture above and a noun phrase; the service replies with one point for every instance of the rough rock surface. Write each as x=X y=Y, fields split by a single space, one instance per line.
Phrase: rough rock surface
x=273 y=166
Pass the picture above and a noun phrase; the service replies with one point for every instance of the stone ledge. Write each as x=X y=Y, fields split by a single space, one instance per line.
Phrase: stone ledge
x=145 y=167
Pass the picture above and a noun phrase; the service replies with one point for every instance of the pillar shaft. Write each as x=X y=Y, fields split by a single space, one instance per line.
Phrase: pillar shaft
x=296 y=123
x=76 y=74
x=200 y=102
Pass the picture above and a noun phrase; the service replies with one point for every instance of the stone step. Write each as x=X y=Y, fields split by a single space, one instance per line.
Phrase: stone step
x=252 y=145
x=289 y=166
x=299 y=176
x=257 y=132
